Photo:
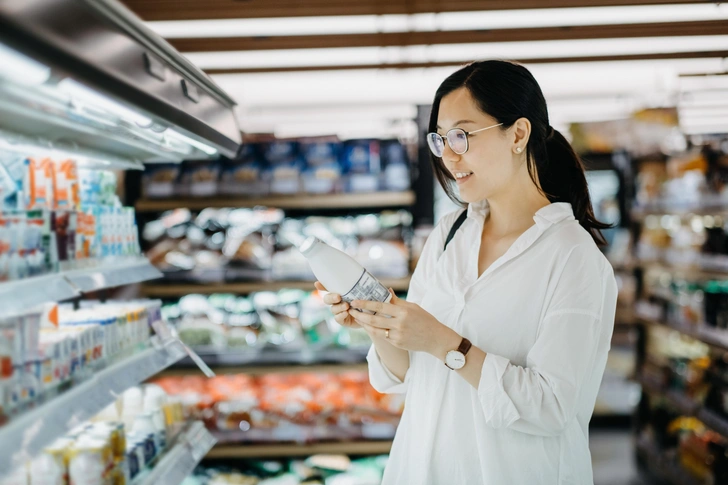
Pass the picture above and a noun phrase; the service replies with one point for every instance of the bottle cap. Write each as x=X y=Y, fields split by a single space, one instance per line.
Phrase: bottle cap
x=308 y=245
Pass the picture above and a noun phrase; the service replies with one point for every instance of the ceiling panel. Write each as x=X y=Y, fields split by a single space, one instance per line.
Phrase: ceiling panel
x=230 y=9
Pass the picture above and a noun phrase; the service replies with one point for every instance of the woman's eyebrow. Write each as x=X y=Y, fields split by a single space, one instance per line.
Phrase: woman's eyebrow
x=460 y=122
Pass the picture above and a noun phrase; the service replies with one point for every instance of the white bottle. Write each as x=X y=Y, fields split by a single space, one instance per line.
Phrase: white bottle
x=341 y=274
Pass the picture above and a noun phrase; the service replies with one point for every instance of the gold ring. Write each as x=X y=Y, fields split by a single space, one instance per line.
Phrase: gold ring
x=386 y=333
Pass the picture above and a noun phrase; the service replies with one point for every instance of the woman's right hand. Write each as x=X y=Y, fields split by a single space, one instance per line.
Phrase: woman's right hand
x=339 y=308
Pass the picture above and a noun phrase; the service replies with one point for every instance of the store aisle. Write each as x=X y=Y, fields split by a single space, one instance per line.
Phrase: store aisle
x=613 y=459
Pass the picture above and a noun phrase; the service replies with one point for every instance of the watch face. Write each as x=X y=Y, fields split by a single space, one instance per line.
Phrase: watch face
x=455 y=360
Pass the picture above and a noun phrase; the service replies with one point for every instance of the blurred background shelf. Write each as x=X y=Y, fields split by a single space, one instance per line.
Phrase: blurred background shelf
x=714 y=337
x=664 y=467
x=161 y=290
x=698 y=272
x=302 y=201
x=295 y=449
x=664 y=207
x=269 y=361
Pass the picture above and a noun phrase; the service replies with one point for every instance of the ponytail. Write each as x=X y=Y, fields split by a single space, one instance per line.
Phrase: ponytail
x=562 y=177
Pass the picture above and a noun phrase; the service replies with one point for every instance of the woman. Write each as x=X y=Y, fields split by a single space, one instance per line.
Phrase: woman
x=502 y=343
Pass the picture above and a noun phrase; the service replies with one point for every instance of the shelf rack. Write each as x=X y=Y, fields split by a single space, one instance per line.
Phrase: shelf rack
x=269 y=361
x=161 y=290
x=297 y=201
x=665 y=467
x=27 y=434
x=294 y=449
x=181 y=459
x=20 y=295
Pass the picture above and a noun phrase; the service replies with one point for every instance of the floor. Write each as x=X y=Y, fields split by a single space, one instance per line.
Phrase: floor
x=613 y=459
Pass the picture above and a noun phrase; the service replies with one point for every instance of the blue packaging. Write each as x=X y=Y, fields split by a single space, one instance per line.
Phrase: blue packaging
x=323 y=172
x=362 y=163
x=396 y=166
x=286 y=165
x=248 y=174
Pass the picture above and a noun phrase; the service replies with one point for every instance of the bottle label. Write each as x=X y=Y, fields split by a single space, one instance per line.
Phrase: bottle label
x=367 y=288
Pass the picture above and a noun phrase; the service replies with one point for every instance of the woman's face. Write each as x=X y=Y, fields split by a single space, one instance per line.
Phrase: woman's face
x=489 y=161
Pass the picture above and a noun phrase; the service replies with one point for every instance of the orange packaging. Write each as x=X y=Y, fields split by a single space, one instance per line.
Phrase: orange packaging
x=85 y=235
x=66 y=185
x=40 y=185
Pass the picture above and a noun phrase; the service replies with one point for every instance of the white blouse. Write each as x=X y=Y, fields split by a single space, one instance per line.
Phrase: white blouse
x=544 y=314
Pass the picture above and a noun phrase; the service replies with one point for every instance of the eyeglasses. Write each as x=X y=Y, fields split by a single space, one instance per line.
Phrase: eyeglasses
x=457 y=138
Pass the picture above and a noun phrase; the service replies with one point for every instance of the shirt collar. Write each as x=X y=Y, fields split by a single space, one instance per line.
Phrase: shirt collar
x=544 y=217
x=553 y=214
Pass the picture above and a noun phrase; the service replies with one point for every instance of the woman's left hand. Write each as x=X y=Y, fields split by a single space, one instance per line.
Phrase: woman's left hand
x=410 y=326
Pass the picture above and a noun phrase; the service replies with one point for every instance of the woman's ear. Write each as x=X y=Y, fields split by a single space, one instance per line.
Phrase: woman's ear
x=521 y=135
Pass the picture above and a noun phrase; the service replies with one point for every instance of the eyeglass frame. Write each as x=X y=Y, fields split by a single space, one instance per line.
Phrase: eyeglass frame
x=467 y=136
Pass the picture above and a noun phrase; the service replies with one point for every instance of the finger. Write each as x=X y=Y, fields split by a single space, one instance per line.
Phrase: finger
x=332 y=298
x=343 y=319
x=379 y=332
x=340 y=308
x=394 y=299
x=320 y=286
x=376 y=307
x=371 y=320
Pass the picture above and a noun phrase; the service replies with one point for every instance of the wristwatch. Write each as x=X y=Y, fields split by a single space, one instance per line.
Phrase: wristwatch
x=455 y=359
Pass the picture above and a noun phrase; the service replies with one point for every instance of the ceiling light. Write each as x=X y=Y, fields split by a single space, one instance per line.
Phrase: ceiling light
x=447 y=21
x=262 y=59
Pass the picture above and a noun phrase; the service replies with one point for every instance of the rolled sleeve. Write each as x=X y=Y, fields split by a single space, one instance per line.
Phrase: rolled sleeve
x=381 y=377
x=497 y=406
x=542 y=398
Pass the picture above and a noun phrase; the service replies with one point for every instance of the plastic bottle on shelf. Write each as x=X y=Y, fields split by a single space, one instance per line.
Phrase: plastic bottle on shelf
x=87 y=462
x=340 y=273
x=154 y=400
x=48 y=468
x=144 y=429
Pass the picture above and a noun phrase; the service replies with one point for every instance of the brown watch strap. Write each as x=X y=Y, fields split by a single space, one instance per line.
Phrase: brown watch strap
x=465 y=346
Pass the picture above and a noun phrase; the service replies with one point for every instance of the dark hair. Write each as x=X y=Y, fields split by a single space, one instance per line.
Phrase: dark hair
x=508 y=91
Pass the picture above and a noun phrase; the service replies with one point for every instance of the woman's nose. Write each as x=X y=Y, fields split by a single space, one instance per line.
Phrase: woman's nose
x=448 y=155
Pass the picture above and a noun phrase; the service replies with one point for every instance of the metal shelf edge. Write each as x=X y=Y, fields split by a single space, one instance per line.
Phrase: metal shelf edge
x=297 y=201
x=20 y=295
x=348 y=448
x=35 y=429
x=181 y=289
x=179 y=461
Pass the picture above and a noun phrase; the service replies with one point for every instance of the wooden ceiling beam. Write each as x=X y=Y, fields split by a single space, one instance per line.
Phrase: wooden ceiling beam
x=664 y=29
x=550 y=60
x=233 y=9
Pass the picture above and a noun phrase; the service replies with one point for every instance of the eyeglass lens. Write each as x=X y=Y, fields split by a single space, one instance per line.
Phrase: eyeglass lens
x=456 y=138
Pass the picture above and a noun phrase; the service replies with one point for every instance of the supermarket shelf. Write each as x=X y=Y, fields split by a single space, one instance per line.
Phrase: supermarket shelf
x=270 y=360
x=712 y=336
x=259 y=370
x=262 y=451
x=175 y=290
x=713 y=207
x=30 y=432
x=18 y=296
x=693 y=272
x=684 y=404
x=112 y=275
x=687 y=406
x=180 y=460
x=302 y=201
x=665 y=467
